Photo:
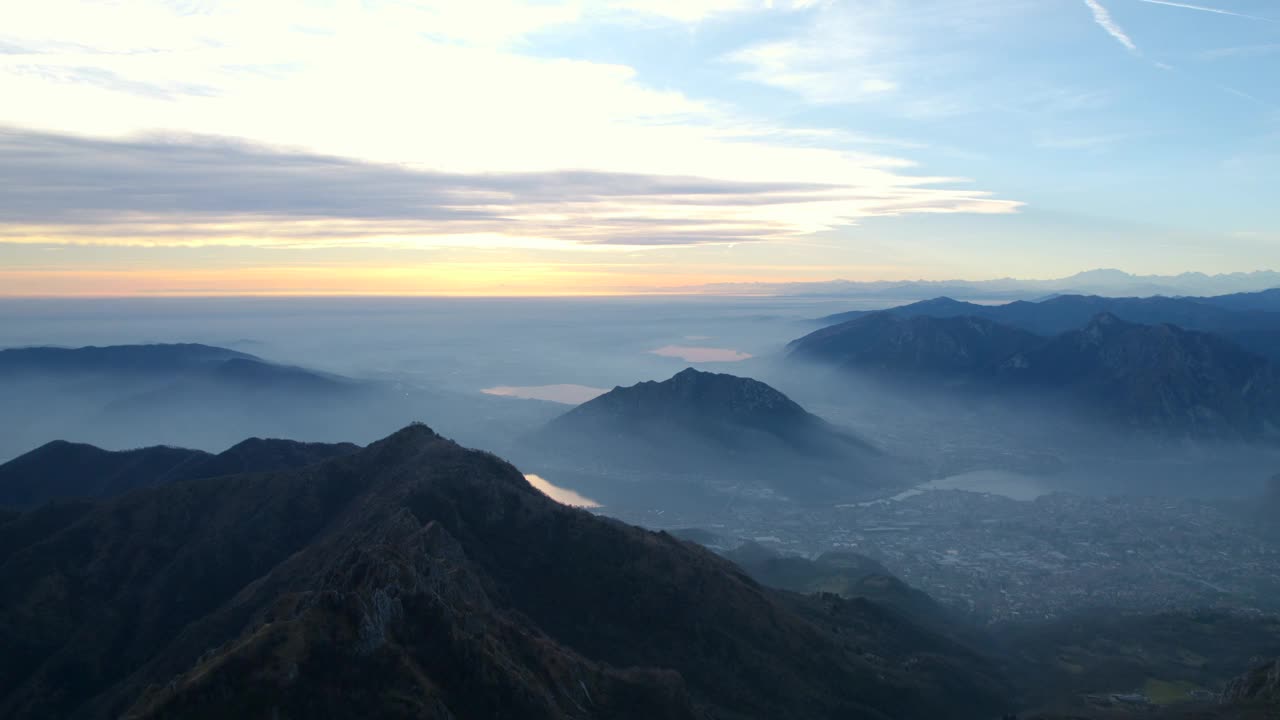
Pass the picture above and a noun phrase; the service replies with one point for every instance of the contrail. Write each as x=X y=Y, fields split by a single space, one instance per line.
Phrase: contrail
x=1104 y=20
x=1201 y=8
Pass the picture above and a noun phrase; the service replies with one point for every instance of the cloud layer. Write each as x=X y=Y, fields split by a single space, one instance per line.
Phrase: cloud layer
x=190 y=189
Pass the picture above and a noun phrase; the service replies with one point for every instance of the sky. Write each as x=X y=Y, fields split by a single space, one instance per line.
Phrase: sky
x=496 y=147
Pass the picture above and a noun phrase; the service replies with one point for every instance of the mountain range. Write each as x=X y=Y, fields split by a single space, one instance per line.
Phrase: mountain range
x=1157 y=379
x=415 y=578
x=1247 y=319
x=701 y=435
x=209 y=397
x=141 y=359
x=1111 y=282
x=61 y=470
x=955 y=347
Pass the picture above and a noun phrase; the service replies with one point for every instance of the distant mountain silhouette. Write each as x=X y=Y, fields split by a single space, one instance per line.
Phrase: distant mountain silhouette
x=415 y=578
x=736 y=433
x=62 y=470
x=1103 y=281
x=1243 y=318
x=149 y=359
x=267 y=455
x=884 y=341
x=1159 y=379
x=185 y=395
x=1266 y=300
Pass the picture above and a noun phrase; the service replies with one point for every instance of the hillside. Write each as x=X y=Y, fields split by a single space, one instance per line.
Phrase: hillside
x=956 y=347
x=137 y=359
x=1157 y=380
x=706 y=434
x=1242 y=318
x=415 y=578
x=64 y=470
x=209 y=398
x=1170 y=657
x=848 y=575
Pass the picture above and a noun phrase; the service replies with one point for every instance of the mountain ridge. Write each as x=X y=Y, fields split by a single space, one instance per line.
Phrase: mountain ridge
x=677 y=433
x=1102 y=281
x=1257 y=328
x=62 y=470
x=415 y=578
x=1156 y=379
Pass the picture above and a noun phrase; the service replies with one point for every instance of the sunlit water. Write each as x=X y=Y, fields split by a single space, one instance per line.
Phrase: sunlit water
x=691 y=353
x=1015 y=486
x=564 y=496
x=567 y=394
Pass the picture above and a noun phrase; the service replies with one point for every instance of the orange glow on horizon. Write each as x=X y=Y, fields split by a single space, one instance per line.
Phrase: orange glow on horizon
x=442 y=280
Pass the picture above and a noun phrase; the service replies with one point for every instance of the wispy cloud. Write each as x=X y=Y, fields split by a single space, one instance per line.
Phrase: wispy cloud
x=1102 y=16
x=1201 y=8
x=197 y=190
x=916 y=59
x=1242 y=51
x=1242 y=94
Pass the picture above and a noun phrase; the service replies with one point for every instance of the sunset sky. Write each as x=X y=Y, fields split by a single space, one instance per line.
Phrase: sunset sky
x=500 y=147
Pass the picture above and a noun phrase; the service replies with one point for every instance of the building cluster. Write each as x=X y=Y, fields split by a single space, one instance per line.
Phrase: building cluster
x=1002 y=559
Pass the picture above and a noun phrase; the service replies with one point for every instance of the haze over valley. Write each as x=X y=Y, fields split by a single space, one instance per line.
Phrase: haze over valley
x=640 y=360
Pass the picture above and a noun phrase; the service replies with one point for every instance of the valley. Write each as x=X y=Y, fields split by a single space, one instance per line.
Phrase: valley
x=941 y=511
x=999 y=560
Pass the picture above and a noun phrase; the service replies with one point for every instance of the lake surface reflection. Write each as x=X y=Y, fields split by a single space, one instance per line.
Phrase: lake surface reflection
x=1014 y=486
x=1004 y=483
x=564 y=496
x=690 y=353
x=567 y=394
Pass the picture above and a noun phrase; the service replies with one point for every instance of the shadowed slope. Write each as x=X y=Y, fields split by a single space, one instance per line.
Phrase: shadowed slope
x=715 y=434
x=415 y=578
x=1155 y=379
x=64 y=470
x=957 y=347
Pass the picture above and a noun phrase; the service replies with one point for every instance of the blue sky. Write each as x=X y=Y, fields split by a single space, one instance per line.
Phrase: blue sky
x=508 y=147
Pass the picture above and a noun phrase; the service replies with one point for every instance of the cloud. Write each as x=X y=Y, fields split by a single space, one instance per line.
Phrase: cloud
x=844 y=55
x=434 y=84
x=1201 y=8
x=183 y=189
x=1103 y=17
x=692 y=11
x=917 y=59
x=820 y=74
x=108 y=80
x=1242 y=51
x=424 y=123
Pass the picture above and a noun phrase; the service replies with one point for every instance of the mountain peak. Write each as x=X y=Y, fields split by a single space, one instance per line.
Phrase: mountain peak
x=280 y=593
x=1103 y=326
x=701 y=393
x=67 y=470
x=1107 y=319
x=689 y=374
x=413 y=434
x=697 y=425
x=926 y=343
x=1101 y=274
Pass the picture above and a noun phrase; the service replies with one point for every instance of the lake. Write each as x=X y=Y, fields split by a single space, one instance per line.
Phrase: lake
x=564 y=496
